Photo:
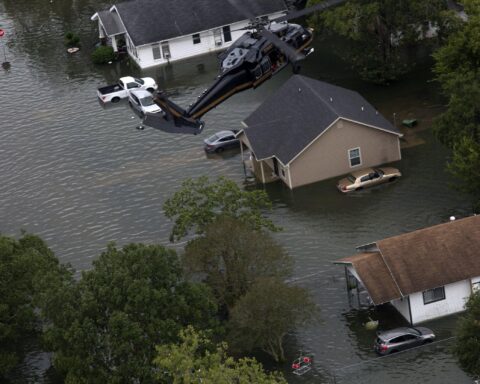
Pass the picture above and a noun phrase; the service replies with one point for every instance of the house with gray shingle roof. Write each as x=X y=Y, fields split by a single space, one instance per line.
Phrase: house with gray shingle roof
x=310 y=130
x=160 y=31
x=424 y=274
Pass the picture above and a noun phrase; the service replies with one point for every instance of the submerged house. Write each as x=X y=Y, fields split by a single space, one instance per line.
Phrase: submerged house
x=161 y=31
x=310 y=130
x=424 y=274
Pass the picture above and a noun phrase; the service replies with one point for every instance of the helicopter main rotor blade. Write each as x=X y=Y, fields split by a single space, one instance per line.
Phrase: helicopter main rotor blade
x=288 y=50
x=318 y=7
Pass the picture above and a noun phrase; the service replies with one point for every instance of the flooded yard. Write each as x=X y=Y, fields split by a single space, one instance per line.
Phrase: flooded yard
x=81 y=175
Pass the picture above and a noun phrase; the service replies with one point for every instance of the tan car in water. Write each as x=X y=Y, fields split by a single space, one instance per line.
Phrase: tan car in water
x=367 y=177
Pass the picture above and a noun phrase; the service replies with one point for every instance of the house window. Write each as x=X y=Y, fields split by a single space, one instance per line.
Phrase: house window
x=196 y=38
x=156 y=52
x=227 y=34
x=476 y=286
x=166 y=50
x=354 y=157
x=433 y=295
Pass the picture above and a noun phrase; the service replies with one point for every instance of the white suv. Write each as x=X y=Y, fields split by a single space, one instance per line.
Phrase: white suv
x=142 y=102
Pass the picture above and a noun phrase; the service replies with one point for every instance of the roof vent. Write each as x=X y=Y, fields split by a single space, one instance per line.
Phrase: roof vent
x=363 y=108
x=331 y=99
x=376 y=112
x=299 y=89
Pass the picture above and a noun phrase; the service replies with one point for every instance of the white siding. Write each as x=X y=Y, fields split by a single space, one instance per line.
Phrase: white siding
x=182 y=47
x=456 y=295
x=401 y=305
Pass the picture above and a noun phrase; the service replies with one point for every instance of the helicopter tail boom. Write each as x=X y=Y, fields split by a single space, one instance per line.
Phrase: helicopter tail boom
x=173 y=118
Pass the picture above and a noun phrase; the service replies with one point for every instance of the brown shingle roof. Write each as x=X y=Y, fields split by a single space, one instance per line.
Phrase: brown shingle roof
x=420 y=260
x=434 y=256
x=375 y=276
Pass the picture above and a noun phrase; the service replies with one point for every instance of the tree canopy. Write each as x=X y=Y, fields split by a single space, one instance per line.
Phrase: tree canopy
x=27 y=269
x=232 y=256
x=199 y=201
x=457 y=68
x=196 y=360
x=246 y=270
x=467 y=346
x=266 y=313
x=133 y=299
x=376 y=32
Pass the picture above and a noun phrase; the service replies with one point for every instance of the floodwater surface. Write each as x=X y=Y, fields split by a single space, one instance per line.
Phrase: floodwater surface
x=81 y=175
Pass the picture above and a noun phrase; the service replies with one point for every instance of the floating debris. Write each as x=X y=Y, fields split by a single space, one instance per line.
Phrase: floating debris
x=371 y=325
x=302 y=365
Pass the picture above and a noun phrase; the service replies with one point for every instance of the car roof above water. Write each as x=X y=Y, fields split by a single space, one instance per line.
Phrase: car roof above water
x=361 y=172
x=141 y=93
x=392 y=333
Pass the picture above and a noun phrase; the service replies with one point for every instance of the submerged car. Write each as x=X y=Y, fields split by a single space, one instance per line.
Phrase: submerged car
x=142 y=102
x=399 y=339
x=367 y=177
x=221 y=141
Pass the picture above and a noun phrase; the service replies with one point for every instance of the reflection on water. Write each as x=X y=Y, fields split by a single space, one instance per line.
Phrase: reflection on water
x=80 y=175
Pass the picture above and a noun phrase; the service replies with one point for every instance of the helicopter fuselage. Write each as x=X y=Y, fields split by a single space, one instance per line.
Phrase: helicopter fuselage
x=247 y=63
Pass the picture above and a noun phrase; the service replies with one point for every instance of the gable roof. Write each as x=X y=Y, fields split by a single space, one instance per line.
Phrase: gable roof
x=300 y=111
x=150 y=21
x=111 y=22
x=375 y=276
x=424 y=259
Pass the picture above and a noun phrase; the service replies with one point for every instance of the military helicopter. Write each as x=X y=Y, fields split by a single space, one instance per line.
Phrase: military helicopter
x=266 y=48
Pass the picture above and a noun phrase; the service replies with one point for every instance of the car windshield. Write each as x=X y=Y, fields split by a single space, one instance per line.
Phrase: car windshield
x=147 y=101
x=379 y=171
x=213 y=138
x=351 y=178
x=139 y=81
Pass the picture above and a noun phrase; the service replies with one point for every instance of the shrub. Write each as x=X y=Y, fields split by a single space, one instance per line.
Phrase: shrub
x=103 y=55
x=71 y=39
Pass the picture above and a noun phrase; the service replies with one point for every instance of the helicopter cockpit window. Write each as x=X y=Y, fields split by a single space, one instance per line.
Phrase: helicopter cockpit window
x=257 y=72
x=265 y=64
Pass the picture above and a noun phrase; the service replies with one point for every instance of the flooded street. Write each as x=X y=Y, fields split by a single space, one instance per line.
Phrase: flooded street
x=81 y=175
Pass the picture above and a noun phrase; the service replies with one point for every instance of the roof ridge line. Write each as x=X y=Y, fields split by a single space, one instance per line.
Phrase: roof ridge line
x=389 y=270
x=424 y=229
x=318 y=95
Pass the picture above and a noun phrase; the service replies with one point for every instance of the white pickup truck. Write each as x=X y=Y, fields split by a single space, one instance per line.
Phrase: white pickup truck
x=122 y=89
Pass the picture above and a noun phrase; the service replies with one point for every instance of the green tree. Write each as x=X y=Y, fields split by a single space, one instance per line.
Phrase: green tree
x=196 y=360
x=231 y=257
x=199 y=201
x=465 y=166
x=377 y=31
x=267 y=312
x=467 y=344
x=456 y=67
x=25 y=266
x=111 y=319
